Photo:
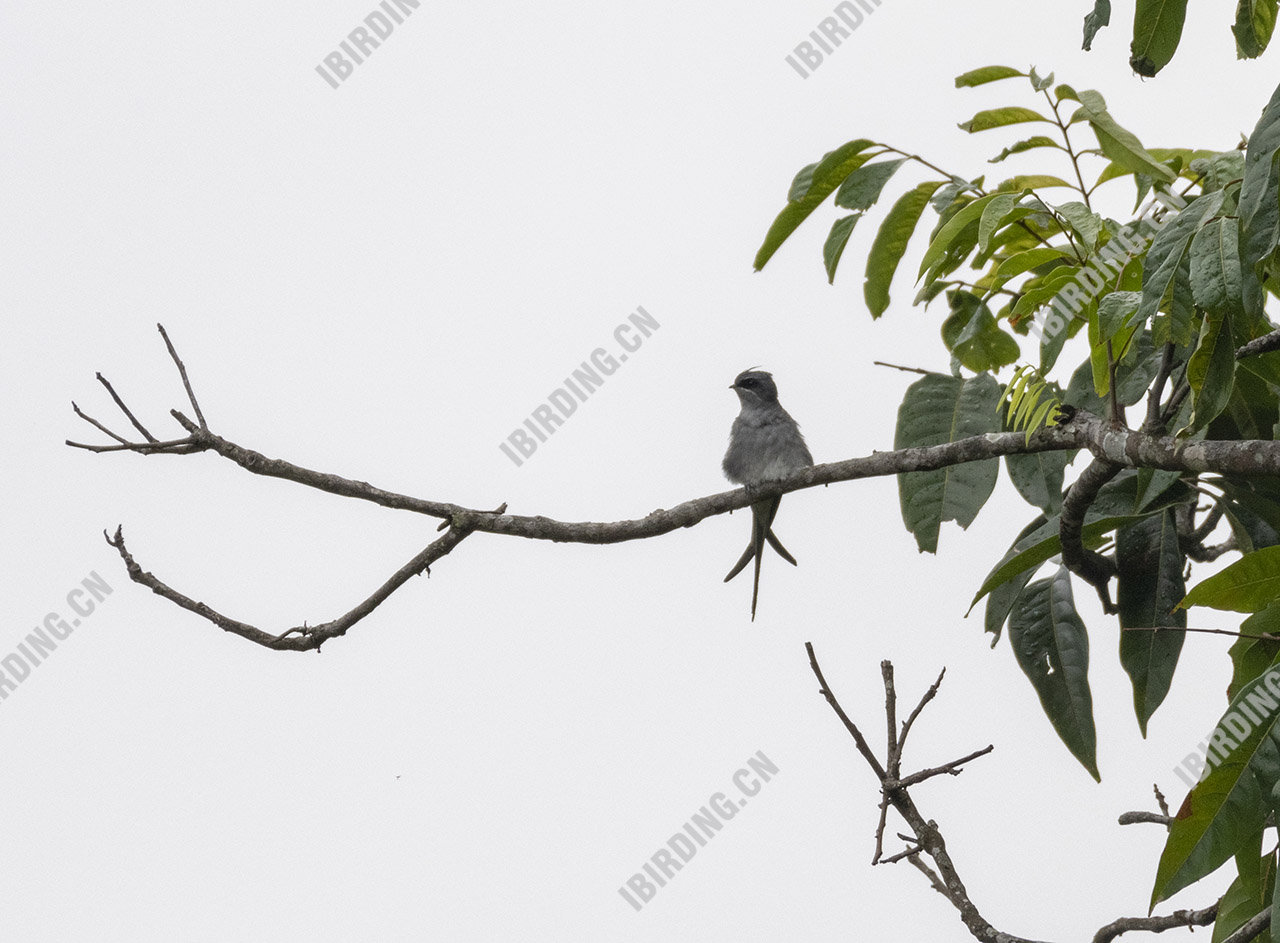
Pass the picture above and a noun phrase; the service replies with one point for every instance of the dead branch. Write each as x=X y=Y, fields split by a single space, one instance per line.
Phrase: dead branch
x=925 y=838
x=1106 y=441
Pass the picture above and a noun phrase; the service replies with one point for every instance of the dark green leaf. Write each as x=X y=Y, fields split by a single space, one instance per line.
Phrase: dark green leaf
x=1255 y=22
x=938 y=409
x=861 y=188
x=833 y=248
x=1150 y=584
x=973 y=336
x=1226 y=807
x=1248 y=893
x=1259 y=208
x=1038 y=477
x=1167 y=249
x=1157 y=29
x=1114 y=507
x=1250 y=657
x=1215 y=266
x=1052 y=647
x=1211 y=369
x=1094 y=20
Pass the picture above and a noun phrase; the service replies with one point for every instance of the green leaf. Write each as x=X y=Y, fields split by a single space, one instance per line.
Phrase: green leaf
x=826 y=175
x=1150 y=584
x=1094 y=20
x=974 y=338
x=993 y=215
x=1166 y=251
x=1227 y=806
x=1115 y=311
x=1118 y=144
x=1001 y=600
x=1259 y=212
x=1045 y=291
x=1211 y=369
x=1215 y=266
x=1250 y=584
x=1113 y=508
x=1027 y=144
x=1177 y=325
x=1052 y=647
x=938 y=409
x=990 y=73
x=861 y=188
x=833 y=248
x=1162 y=155
x=1086 y=223
x=1038 y=82
x=951 y=230
x=1157 y=29
x=1250 y=657
x=1255 y=22
x=1039 y=477
x=1031 y=182
x=1000 y=118
x=1025 y=261
x=1248 y=894
x=891 y=242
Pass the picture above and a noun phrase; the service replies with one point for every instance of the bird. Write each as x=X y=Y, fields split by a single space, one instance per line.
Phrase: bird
x=765 y=444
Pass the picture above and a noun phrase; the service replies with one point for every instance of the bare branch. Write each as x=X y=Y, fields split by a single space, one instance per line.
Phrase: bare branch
x=1112 y=446
x=1259 y=345
x=1160 y=800
x=952 y=768
x=1173 y=921
x=97 y=425
x=894 y=366
x=1155 y=818
x=185 y=382
x=929 y=695
x=306 y=637
x=124 y=409
x=926 y=836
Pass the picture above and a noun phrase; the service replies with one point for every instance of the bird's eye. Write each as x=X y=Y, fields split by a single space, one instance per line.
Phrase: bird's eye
x=748 y=383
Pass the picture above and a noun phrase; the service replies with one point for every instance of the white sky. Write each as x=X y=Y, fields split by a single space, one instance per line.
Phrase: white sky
x=383 y=281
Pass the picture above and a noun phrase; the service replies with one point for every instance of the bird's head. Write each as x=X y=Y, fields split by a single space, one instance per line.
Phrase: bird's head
x=755 y=388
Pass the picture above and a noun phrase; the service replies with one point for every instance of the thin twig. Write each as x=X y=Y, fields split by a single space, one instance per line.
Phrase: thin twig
x=1265 y=636
x=1160 y=800
x=307 y=637
x=952 y=768
x=894 y=366
x=123 y=408
x=185 y=382
x=929 y=695
x=97 y=425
